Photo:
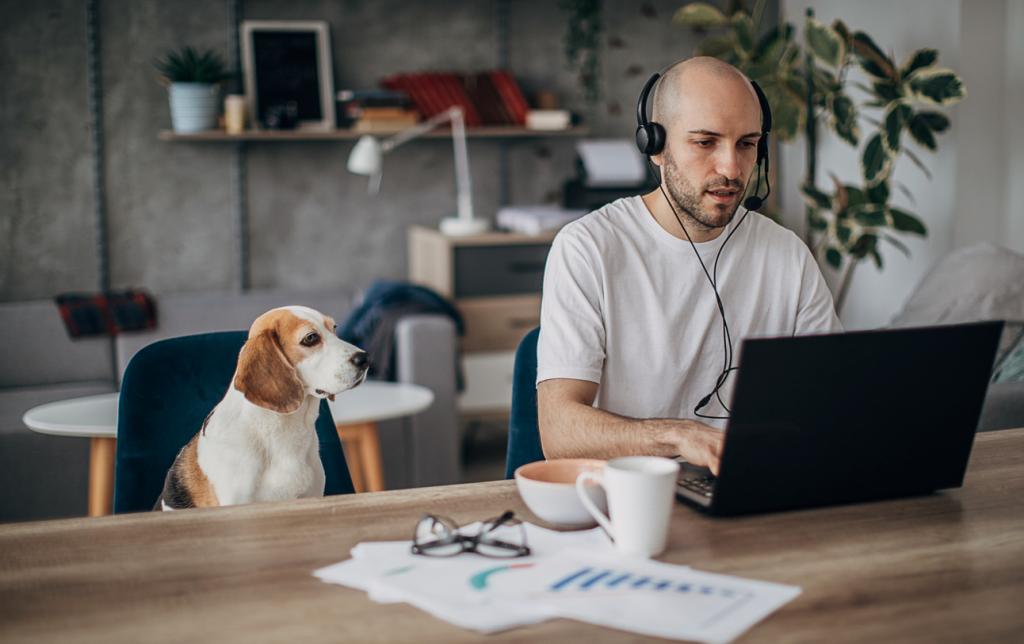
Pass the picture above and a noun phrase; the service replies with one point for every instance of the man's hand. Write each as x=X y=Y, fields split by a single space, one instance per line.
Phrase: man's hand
x=701 y=444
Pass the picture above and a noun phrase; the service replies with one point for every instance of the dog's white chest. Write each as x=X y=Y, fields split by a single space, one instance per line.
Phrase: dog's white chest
x=255 y=461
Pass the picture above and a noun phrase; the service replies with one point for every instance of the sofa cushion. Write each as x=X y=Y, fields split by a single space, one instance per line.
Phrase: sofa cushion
x=41 y=353
x=977 y=282
x=190 y=313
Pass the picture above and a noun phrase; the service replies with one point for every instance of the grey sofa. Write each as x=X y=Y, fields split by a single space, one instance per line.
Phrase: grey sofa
x=45 y=476
x=974 y=283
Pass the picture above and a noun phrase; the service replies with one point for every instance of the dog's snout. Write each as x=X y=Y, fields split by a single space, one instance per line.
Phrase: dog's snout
x=359 y=359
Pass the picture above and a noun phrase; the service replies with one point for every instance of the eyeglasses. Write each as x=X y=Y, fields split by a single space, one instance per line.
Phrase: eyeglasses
x=439 y=537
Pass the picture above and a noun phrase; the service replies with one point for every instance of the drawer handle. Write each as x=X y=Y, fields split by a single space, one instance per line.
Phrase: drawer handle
x=526 y=267
x=519 y=323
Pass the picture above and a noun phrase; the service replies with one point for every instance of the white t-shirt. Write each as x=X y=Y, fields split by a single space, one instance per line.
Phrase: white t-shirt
x=626 y=305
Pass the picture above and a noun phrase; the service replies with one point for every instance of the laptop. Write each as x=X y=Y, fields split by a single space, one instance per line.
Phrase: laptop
x=829 y=419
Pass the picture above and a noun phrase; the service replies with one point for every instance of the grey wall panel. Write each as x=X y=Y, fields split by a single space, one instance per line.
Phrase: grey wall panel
x=170 y=206
x=46 y=220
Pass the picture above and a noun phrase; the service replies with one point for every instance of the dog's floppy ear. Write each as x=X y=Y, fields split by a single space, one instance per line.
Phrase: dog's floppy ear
x=265 y=376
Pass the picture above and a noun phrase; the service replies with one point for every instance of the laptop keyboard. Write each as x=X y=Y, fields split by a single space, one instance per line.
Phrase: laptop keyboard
x=703 y=486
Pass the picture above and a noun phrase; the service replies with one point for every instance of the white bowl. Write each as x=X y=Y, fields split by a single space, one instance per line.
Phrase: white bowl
x=549 y=489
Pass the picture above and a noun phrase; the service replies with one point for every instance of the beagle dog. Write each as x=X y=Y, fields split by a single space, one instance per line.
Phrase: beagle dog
x=260 y=443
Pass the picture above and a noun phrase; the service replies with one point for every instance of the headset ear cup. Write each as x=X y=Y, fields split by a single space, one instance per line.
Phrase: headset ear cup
x=642 y=139
x=657 y=142
x=762 y=148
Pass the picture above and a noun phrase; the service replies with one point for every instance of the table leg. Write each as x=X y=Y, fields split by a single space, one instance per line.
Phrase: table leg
x=372 y=464
x=362 y=453
x=350 y=443
x=101 y=475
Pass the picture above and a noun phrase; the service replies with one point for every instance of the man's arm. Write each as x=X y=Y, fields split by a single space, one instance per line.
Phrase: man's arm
x=570 y=427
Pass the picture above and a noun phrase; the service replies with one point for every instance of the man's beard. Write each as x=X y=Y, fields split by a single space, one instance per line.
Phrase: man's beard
x=688 y=199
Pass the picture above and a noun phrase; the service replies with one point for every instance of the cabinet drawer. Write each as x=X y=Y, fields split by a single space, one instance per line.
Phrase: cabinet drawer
x=498 y=323
x=499 y=270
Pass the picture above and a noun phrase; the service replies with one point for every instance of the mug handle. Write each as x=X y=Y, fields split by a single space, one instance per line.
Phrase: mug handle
x=599 y=516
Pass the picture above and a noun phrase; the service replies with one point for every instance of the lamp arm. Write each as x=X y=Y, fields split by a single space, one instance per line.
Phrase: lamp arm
x=418 y=130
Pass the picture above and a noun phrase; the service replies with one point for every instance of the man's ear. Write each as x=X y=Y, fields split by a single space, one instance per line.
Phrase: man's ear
x=265 y=376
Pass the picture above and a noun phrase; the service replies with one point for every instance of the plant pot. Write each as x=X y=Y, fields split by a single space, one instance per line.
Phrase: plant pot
x=194 y=106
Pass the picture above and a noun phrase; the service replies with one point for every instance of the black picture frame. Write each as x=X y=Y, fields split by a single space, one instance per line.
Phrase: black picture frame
x=288 y=74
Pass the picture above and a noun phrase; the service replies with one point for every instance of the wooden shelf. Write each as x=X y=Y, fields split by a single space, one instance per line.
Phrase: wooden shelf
x=491 y=132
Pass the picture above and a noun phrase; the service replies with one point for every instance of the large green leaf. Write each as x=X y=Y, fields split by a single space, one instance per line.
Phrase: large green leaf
x=844 y=114
x=855 y=197
x=872 y=60
x=875 y=161
x=871 y=215
x=906 y=222
x=918 y=60
x=816 y=198
x=824 y=43
x=833 y=257
x=878 y=193
x=717 y=46
x=875 y=255
x=840 y=28
x=700 y=15
x=886 y=91
x=864 y=245
x=744 y=27
x=843 y=232
x=816 y=221
x=773 y=44
x=921 y=133
x=787 y=116
x=895 y=118
x=940 y=86
x=935 y=121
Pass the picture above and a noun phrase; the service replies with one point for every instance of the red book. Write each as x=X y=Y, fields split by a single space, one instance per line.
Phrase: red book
x=511 y=95
x=456 y=95
x=489 y=93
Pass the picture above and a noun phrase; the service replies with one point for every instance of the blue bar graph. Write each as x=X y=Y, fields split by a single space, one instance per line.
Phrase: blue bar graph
x=593 y=580
x=587 y=579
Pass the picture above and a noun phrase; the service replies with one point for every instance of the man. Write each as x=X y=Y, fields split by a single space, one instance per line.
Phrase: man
x=631 y=332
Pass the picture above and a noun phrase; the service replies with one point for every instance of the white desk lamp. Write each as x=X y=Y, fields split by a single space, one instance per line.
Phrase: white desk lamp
x=367 y=155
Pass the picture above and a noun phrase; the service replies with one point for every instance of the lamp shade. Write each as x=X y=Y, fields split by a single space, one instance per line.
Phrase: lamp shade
x=366 y=155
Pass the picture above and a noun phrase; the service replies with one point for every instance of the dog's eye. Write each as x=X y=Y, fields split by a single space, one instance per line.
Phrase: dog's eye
x=310 y=339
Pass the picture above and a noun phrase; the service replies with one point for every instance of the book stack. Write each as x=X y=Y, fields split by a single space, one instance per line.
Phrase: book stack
x=375 y=111
x=486 y=98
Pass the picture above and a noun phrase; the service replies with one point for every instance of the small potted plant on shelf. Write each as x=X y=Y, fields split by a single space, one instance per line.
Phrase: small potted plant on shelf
x=193 y=81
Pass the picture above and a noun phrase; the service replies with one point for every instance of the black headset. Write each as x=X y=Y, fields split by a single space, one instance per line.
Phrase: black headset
x=650 y=135
x=650 y=139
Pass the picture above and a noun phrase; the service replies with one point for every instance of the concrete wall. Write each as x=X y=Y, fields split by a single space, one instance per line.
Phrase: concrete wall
x=979 y=164
x=171 y=205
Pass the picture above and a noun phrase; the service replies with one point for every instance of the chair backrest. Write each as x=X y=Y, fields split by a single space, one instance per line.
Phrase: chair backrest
x=523 y=433
x=168 y=389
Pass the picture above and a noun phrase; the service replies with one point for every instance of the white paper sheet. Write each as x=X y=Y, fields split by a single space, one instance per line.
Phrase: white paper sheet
x=576 y=575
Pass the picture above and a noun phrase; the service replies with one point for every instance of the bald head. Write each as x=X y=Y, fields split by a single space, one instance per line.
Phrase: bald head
x=688 y=83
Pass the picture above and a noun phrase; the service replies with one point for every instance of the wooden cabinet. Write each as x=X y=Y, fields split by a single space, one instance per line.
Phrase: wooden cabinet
x=495 y=281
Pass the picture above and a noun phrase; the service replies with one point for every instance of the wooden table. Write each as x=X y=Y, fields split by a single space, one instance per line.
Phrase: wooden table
x=943 y=568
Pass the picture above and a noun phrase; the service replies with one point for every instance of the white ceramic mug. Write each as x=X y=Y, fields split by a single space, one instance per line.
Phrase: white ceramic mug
x=640 y=492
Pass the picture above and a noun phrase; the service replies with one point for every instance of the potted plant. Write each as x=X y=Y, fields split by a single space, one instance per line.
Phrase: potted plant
x=193 y=81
